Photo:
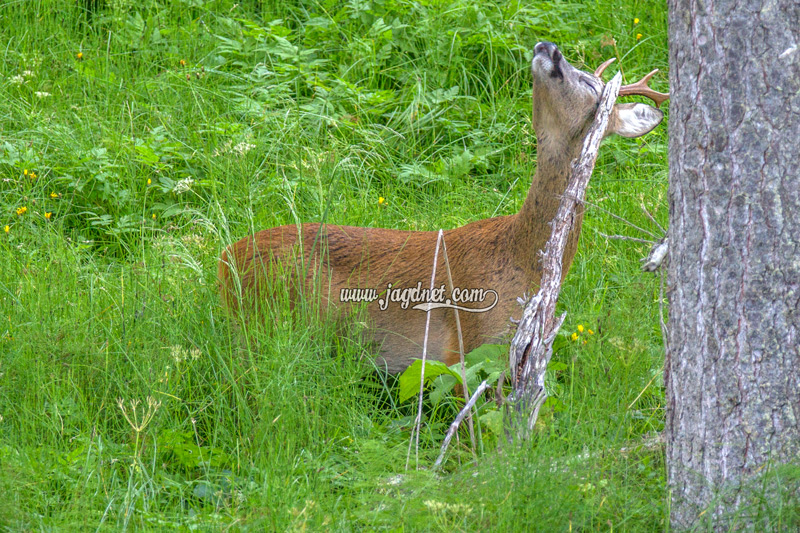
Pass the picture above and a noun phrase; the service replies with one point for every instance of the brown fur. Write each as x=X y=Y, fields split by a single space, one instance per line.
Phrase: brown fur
x=498 y=253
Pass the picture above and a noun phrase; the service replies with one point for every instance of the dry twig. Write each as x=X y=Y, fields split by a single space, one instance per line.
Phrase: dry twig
x=626 y=238
x=454 y=426
x=612 y=215
x=418 y=420
x=653 y=219
x=464 y=386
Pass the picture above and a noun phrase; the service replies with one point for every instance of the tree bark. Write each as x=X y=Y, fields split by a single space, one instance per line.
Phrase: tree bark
x=733 y=352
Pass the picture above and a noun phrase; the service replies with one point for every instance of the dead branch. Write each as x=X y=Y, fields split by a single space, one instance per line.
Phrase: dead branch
x=621 y=219
x=653 y=219
x=532 y=345
x=626 y=238
x=454 y=426
x=656 y=257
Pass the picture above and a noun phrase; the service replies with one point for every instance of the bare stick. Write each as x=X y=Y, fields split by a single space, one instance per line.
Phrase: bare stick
x=625 y=220
x=532 y=345
x=465 y=388
x=653 y=219
x=454 y=426
x=418 y=421
x=645 y=388
x=625 y=238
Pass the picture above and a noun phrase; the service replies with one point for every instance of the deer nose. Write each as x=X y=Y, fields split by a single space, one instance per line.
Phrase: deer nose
x=545 y=47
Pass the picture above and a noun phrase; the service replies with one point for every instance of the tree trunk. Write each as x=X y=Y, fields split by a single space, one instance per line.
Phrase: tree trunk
x=733 y=352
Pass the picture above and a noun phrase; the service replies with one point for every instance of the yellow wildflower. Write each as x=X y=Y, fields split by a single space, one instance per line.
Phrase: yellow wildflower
x=574 y=336
x=638 y=36
x=80 y=55
x=154 y=216
x=636 y=21
x=53 y=195
x=149 y=181
x=183 y=62
x=381 y=200
x=590 y=332
x=25 y=172
x=47 y=215
x=22 y=210
x=6 y=228
x=33 y=175
x=580 y=328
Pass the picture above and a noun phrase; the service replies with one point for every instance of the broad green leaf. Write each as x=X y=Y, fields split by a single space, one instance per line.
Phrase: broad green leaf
x=486 y=352
x=441 y=387
x=410 y=379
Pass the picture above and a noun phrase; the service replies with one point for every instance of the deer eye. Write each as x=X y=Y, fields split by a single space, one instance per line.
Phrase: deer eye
x=589 y=84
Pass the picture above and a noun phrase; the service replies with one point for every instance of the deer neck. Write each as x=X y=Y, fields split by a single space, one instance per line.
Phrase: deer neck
x=531 y=227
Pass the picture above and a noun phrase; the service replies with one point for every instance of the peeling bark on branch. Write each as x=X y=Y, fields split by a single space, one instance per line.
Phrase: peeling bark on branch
x=532 y=345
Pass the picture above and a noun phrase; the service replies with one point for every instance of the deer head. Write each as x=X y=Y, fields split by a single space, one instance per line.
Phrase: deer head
x=565 y=100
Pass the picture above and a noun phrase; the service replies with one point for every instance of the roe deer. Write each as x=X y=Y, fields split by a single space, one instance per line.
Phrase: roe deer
x=492 y=261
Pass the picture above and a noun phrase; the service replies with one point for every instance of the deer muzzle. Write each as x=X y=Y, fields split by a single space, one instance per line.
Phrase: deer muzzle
x=549 y=57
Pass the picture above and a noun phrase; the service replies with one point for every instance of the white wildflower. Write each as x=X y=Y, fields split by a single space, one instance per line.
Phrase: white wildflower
x=181 y=354
x=243 y=147
x=17 y=80
x=455 y=508
x=139 y=418
x=42 y=94
x=395 y=480
x=183 y=185
x=177 y=353
x=240 y=149
x=193 y=239
x=433 y=505
x=459 y=508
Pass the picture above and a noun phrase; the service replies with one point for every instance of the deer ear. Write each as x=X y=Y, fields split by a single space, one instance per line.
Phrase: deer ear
x=634 y=120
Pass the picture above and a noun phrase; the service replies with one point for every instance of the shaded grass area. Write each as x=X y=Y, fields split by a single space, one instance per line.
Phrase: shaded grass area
x=142 y=137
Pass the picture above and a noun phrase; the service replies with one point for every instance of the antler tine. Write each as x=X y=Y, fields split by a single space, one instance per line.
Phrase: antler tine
x=641 y=88
x=599 y=70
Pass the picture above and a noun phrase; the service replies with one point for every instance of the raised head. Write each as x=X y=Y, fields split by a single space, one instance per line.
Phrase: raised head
x=565 y=100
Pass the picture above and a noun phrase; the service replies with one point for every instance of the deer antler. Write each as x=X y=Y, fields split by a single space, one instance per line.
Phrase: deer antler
x=599 y=70
x=639 y=88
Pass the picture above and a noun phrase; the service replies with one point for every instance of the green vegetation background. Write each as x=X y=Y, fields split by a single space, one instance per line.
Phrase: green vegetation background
x=137 y=138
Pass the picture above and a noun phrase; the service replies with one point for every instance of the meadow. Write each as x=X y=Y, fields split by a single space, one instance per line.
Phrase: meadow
x=138 y=138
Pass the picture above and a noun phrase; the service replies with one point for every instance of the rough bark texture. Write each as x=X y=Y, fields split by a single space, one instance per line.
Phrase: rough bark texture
x=733 y=384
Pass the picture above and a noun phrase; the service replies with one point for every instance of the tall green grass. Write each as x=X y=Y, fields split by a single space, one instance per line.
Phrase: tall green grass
x=161 y=131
